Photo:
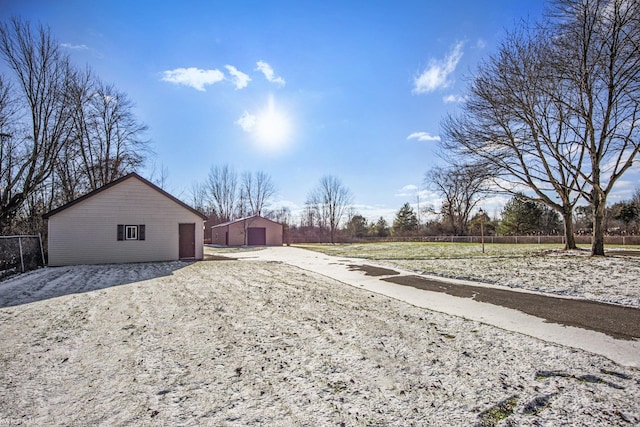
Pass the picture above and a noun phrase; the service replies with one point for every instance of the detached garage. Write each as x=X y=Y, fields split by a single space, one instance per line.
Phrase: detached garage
x=251 y=231
x=128 y=220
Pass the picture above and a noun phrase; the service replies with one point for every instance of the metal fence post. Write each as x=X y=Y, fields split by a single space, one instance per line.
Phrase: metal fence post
x=41 y=249
x=21 y=257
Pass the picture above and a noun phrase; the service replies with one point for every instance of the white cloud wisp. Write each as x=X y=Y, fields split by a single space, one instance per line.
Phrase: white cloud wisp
x=239 y=79
x=193 y=77
x=437 y=74
x=269 y=74
x=423 y=136
x=448 y=99
x=74 y=46
x=247 y=122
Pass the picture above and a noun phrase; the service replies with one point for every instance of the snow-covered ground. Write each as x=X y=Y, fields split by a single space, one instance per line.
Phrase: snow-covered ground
x=263 y=343
x=612 y=279
x=609 y=279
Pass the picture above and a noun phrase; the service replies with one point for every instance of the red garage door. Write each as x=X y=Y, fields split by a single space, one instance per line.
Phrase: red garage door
x=256 y=236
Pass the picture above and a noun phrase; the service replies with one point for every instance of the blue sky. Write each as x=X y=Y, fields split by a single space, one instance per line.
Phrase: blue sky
x=296 y=89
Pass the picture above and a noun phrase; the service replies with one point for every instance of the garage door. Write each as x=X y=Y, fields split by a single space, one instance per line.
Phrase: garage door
x=256 y=236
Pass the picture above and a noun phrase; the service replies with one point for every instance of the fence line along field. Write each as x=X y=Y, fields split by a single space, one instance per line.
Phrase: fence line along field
x=250 y=342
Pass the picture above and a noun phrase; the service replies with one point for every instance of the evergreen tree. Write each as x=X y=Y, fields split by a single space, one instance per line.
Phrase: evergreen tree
x=380 y=228
x=521 y=216
x=405 y=221
x=626 y=212
x=357 y=226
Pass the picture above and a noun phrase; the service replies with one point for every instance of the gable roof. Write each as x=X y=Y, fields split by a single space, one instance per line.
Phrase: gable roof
x=224 y=224
x=116 y=182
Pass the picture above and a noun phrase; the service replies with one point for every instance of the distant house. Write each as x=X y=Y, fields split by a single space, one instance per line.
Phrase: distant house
x=128 y=220
x=250 y=231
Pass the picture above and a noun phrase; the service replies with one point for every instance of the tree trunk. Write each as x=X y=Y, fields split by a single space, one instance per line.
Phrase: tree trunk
x=570 y=238
x=597 y=247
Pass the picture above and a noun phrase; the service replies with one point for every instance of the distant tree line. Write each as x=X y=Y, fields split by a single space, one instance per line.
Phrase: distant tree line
x=329 y=215
x=63 y=131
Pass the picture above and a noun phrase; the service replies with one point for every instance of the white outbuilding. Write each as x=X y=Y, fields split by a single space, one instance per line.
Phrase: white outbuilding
x=127 y=220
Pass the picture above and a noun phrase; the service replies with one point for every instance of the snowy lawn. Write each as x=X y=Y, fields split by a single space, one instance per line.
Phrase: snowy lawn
x=542 y=268
x=256 y=343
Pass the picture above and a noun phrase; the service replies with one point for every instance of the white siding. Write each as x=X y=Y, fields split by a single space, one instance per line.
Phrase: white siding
x=86 y=233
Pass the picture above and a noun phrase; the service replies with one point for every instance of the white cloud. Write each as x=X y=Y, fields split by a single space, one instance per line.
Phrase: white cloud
x=410 y=188
x=437 y=74
x=481 y=44
x=268 y=73
x=193 y=77
x=452 y=98
x=423 y=136
x=247 y=122
x=74 y=46
x=240 y=79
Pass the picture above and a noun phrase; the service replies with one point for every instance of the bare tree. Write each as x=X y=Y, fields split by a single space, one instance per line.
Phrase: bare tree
x=281 y=215
x=159 y=175
x=70 y=179
x=462 y=187
x=514 y=121
x=198 y=196
x=42 y=75
x=110 y=138
x=222 y=189
x=558 y=109
x=331 y=199
x=597 y=56
x=257 y=190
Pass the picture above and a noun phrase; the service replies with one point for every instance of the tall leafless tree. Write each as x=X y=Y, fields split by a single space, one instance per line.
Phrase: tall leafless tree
x=557 y=109
x=42 y=76
x=70 y=179
x=514 y=121
x=257 y=190
x=110 y=137
x=331 y=199
x=461 y=187
x=222 y=189
x=597 y=56
x=198 y=197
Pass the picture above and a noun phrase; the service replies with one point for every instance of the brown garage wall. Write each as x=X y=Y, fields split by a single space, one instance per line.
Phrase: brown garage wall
x=238 y=231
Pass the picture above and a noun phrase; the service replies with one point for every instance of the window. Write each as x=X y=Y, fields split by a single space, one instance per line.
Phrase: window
x=131 y=232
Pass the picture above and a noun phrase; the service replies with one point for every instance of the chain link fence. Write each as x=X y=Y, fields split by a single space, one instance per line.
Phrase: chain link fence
x=20 y=253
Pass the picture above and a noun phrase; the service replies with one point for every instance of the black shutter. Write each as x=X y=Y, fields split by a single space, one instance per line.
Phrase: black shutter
x=141 y=232
x=120 y=232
